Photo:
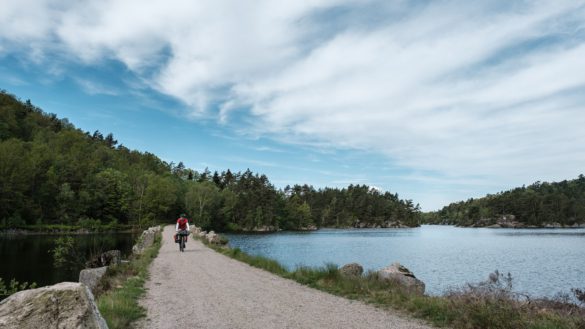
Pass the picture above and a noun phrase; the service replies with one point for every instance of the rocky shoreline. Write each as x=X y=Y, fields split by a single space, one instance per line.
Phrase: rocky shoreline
x=509 y=221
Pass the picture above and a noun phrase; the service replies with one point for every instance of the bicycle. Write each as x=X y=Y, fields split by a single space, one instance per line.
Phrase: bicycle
x=181 y=239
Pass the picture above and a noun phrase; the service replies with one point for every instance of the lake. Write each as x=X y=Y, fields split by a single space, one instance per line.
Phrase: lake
x=27 y=257
x=542 y=262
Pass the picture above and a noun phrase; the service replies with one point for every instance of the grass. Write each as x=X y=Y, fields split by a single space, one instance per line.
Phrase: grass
x=122 y=286
x=490 y=304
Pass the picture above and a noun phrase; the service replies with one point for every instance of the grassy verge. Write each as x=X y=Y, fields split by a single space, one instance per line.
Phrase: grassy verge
x=119 y=290
x=490 y=304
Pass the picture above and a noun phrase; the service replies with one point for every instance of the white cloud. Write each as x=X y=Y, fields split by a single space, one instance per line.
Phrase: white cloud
x=464 y=89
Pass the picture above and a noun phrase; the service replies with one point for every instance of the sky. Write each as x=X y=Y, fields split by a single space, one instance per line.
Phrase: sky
x=438 y=101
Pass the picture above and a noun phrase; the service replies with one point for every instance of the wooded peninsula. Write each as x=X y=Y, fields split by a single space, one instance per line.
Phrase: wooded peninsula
x=560 y=204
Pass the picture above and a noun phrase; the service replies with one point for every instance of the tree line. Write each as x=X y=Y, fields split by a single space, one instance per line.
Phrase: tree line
x=534 y=205
x=52 y=173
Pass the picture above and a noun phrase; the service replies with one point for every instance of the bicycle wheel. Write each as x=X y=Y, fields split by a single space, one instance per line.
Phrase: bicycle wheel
x=182 y=244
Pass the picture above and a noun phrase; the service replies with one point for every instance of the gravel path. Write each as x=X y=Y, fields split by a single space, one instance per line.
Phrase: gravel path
x=200 y=288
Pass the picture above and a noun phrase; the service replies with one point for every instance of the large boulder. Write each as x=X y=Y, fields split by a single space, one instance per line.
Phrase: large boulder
x=64 y=305
x=399 y=274
x=146 y=240
x=213 y=238
x=92 y=276
x=351 y=270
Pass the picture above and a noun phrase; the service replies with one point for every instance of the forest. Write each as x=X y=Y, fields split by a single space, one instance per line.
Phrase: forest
x=53 y=174
x=540 y=204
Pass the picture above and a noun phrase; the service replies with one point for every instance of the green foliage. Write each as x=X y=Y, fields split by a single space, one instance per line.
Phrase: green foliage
x=66 y=254
x=535 y=205
x=13 y=287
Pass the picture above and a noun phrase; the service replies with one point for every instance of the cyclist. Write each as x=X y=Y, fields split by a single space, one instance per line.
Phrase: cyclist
x=182 y=227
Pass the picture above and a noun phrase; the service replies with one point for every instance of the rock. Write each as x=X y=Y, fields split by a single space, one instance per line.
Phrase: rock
x=265 y=228
x=202 y=234
x=146 y=240
x=213 y=238
x=403 y=276
x=111 y=257
x=352 y=269
x=92 y=276
x=308 y=228
x=64 y=305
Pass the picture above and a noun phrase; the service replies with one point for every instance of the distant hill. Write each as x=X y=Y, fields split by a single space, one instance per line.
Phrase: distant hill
x=52 y=173
x=559 y=204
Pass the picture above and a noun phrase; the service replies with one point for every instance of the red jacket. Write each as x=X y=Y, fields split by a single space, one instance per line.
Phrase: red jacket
x=182 y=222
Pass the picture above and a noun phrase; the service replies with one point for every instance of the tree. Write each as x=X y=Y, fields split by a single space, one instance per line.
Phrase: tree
x=199 y=198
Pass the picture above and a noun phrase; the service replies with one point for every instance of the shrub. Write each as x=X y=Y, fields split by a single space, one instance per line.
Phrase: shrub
x=14 y=287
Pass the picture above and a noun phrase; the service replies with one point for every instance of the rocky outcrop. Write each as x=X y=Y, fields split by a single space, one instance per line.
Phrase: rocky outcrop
x=510 y=221
x=64 y=305
x=146 y=240
x=351 y=270
x=213 y=238
x=92 y=276
x=261 y=229
x=110 y=257
x=380 y=224
x=402 y=276
x=308 y=228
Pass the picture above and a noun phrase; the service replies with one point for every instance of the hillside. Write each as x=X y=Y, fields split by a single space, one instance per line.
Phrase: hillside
x=52 y=173
x=559 y=204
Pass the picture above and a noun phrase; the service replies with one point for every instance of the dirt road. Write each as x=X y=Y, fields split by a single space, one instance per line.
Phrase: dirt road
x=200 y=288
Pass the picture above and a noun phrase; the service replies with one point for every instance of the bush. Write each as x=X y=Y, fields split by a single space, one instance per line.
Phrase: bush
x=14 y=287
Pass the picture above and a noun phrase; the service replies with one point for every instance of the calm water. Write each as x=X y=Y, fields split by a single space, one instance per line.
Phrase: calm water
x=542 y=262
x=27 y=258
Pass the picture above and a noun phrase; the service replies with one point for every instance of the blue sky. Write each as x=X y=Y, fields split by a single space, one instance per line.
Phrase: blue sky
x=437 y=101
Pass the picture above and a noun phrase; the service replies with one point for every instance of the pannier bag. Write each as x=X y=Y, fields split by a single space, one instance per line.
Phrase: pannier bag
x=177 y=239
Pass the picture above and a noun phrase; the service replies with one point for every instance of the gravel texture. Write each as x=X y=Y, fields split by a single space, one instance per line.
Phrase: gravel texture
x=200 y=288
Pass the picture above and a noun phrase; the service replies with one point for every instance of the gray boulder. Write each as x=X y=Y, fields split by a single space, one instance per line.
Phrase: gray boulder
x=351 y=270
x=213 y=238
x=399 y=274
x=64 y=305
x=92 y=276
x=146 y=240
x=110 y=257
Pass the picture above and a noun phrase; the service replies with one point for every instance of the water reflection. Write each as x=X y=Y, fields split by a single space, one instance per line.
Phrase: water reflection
x=28 y=258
